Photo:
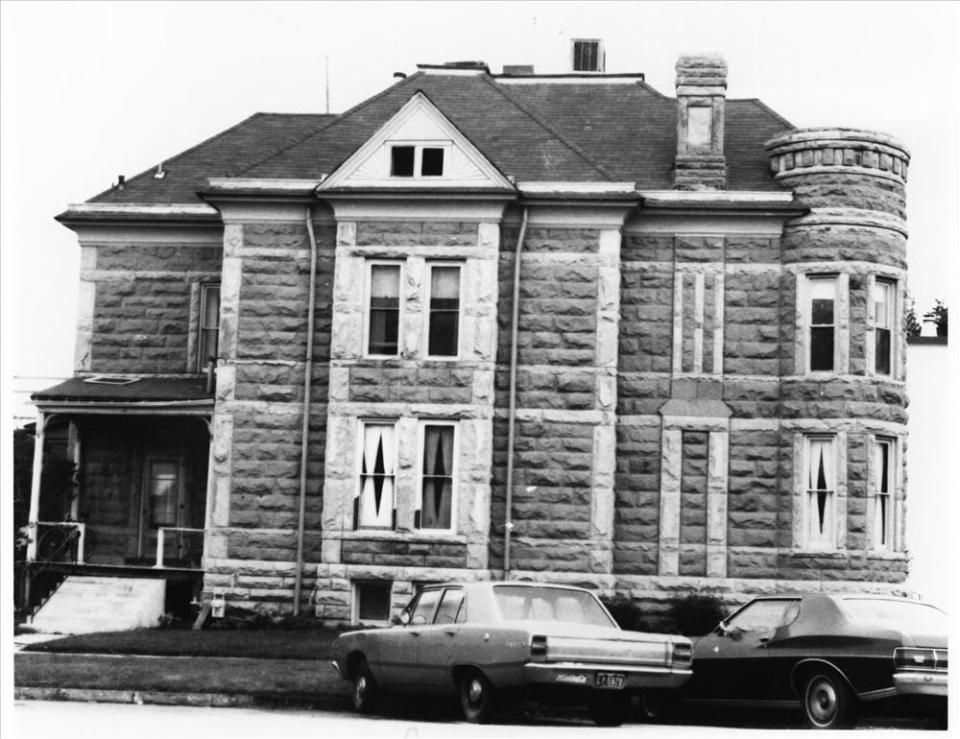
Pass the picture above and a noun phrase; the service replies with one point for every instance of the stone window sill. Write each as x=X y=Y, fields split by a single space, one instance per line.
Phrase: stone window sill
x=413 y=537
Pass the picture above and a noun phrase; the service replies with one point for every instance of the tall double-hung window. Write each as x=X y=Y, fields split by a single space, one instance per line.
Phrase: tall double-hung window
x=437 y=477
x=820 y=480
x=383 y=310
x=884 y=493
x=443 y=329
x=375 y=502
x=822 y=317
x=209 y=326
x=883 y=303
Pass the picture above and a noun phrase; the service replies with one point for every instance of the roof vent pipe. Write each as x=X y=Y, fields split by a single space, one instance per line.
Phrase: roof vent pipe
x=120 y=181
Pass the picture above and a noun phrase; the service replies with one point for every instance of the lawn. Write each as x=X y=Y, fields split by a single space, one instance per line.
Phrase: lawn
x=299 y=644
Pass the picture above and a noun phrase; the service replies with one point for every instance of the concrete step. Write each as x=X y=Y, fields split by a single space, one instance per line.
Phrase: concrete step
x=83 y=605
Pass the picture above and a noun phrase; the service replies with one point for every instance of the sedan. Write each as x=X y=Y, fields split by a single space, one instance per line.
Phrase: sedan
x=831 y=655
x=488 y=642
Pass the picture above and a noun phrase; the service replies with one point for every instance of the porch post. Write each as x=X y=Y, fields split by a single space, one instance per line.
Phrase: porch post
x=73 y=442
x=34 y=514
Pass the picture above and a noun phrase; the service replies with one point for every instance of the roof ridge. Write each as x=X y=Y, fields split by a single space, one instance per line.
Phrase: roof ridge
x=336 y=119
x=569 y=144
x=175 y=157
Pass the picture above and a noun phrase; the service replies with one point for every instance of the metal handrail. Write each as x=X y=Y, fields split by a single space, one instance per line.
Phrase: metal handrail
x=78 y=525
x=160 y=534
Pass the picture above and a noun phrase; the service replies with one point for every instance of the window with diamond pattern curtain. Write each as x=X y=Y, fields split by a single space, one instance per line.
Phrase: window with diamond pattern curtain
x=437 y=499
x=377 y=477
x=821 y=485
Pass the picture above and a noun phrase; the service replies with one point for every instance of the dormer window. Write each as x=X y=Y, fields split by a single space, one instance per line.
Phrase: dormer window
x=416 y=160
x=588 y=55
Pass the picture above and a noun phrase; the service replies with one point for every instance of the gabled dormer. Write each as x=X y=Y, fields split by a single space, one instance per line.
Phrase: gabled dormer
x=417 y=148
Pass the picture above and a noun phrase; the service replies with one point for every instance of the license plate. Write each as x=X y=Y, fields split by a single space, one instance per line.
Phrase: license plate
x=610 y=680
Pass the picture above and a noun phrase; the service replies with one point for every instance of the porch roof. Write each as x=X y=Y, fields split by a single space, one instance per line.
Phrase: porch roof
x=153 y=393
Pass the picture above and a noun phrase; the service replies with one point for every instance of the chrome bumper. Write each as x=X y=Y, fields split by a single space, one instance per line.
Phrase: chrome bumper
x=583 y=674
x=920 y=683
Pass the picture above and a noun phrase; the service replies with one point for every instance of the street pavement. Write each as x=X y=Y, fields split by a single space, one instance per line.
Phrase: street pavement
x=32 y=719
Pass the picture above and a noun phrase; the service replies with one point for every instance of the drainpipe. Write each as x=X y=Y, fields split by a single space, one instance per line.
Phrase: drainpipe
x=304 y=440
x=511 y=413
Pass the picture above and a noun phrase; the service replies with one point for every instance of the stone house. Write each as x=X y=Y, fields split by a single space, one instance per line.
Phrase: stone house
x=559 y=327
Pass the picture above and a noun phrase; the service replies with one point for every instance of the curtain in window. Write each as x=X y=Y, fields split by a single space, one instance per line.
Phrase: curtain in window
x=209 y=325
x=881 y=511
x=437 y=500
x=821 y=482
x=164 y=493
x=377 y=477
x=883 y=323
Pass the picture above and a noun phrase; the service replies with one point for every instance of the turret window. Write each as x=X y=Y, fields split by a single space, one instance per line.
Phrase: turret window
x=884 y=320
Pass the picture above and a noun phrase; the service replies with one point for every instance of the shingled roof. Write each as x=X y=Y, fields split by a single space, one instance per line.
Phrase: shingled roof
x=539 y=131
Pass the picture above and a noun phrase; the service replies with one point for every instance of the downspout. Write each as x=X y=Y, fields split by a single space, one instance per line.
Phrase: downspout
x=511 y=413
x=304 y=439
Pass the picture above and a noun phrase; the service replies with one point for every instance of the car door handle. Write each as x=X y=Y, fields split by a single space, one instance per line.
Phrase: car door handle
x=414 y=633
x=450 y=632
x=764 y=640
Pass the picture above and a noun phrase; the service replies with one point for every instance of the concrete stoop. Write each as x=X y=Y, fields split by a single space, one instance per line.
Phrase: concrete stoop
x=83 y=605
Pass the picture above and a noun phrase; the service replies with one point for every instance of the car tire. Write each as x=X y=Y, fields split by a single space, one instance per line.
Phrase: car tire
x=364 y=691
x=656 y=706
x=827 y=701
x=609 y=709
x=477 y=697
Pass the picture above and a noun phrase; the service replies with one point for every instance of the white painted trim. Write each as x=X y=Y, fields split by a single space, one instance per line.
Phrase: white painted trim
x=262 y=184
x=732 y=197
x=145 y=210
x=584 y=214
x=364 y=207
x=580 y=188
x=417 y=104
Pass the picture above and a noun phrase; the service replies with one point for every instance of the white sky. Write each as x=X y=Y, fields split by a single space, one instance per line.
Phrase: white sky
x=90 y=91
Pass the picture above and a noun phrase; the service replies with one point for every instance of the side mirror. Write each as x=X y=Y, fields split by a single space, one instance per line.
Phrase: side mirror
x=403 y=619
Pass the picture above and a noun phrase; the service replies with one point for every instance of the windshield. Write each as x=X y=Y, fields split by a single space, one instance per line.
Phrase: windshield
x=902 y=615
x=550 y=604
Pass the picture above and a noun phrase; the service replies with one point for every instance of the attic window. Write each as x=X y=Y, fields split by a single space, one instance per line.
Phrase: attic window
x=401 y=161
x=416 y=161
x=588 y=55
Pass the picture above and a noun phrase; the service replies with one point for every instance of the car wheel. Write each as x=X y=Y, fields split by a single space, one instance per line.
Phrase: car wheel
x=477 y=697
x=363 y=693
x=827 y=703
x=656 y=706
x=609 y=709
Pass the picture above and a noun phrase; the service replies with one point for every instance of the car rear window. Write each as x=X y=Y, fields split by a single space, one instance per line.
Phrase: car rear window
x=549 y=604
x=896 y=614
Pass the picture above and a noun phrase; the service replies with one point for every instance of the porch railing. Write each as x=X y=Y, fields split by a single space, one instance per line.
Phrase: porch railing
x=161 y=535
x=79 y=527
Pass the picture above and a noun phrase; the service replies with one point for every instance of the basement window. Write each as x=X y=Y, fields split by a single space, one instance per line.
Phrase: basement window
x=372 y=601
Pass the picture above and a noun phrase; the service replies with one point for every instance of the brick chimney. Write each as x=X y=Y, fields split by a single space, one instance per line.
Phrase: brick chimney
x=701 y=95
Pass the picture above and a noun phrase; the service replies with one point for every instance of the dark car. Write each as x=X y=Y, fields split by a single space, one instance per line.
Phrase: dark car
x=490 y=641
x=831 y=655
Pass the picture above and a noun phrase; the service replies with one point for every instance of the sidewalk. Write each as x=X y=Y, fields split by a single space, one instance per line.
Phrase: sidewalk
x=194 y=681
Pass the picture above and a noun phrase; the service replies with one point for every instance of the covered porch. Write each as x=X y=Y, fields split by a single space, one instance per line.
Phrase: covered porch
x=127 y=463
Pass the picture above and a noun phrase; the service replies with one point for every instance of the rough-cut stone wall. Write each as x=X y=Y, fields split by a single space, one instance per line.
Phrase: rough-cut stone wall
x=144 y=306
x=251 y=552
x=562 y=499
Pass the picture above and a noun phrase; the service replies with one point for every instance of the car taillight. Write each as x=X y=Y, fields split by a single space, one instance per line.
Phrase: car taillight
x=538 y=647
x=682 y=653
x=916 y=659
